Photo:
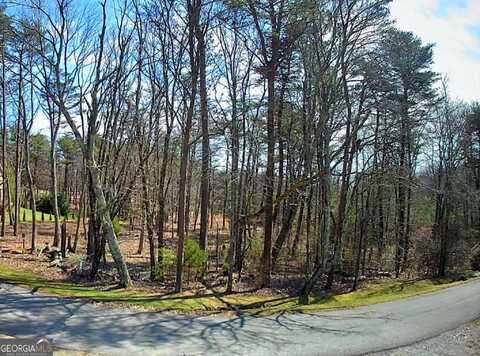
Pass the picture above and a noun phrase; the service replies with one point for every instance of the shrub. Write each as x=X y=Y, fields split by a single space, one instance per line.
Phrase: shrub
x=117 y=225
x=225 y=265
x=168 y=259
x=63 y=205
x=194 y=257
x=254 y=249
x=45 y=204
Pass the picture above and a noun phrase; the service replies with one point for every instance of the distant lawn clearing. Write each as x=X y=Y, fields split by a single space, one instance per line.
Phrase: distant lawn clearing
x=28 y=216
x=248 y=303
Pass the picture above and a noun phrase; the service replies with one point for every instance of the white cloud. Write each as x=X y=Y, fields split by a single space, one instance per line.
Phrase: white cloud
x=457 y=50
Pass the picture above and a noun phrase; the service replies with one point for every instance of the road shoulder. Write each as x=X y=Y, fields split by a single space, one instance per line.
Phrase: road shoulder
x=462 y=341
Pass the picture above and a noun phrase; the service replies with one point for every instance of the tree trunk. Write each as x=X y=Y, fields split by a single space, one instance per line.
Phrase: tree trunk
x=162 y=197
x=4 y=149
x=31 y=188
x=142 y=232
x=204 y=187
x=54 y=180
x=18 y=176
x=268 y=204
x=403 y=187
x=193 y=18
x=188 y=197
x=288 y=217
x=107 y=228
x=80 y=212
x=63 y=240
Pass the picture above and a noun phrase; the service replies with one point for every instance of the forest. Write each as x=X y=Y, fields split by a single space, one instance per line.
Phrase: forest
x=280 y=146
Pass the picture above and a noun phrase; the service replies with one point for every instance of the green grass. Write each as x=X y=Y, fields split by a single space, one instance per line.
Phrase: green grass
x=177 y=302
x=247 y=302
x=29 y=215
x=373 y=294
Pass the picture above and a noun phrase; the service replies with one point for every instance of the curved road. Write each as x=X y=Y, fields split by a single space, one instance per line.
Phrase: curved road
x=115 y=331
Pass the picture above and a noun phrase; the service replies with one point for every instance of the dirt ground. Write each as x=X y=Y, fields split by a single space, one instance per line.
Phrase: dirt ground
x=15 y=252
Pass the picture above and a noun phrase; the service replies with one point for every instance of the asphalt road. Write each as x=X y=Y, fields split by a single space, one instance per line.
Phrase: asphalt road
x=463 y=341
x=114 y=331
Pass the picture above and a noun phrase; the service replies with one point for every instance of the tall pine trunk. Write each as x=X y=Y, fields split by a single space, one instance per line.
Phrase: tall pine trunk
x=204 y=184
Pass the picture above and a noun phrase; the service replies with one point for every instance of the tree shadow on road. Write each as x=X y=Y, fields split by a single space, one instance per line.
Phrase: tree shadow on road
x=83 y=326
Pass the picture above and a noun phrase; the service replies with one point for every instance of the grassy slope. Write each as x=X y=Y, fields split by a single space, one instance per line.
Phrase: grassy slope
x=29 y=215
x=249 y=302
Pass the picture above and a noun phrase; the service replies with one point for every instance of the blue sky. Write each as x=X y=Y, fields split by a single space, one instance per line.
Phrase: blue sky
x=444 y=6
x=454 y=26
